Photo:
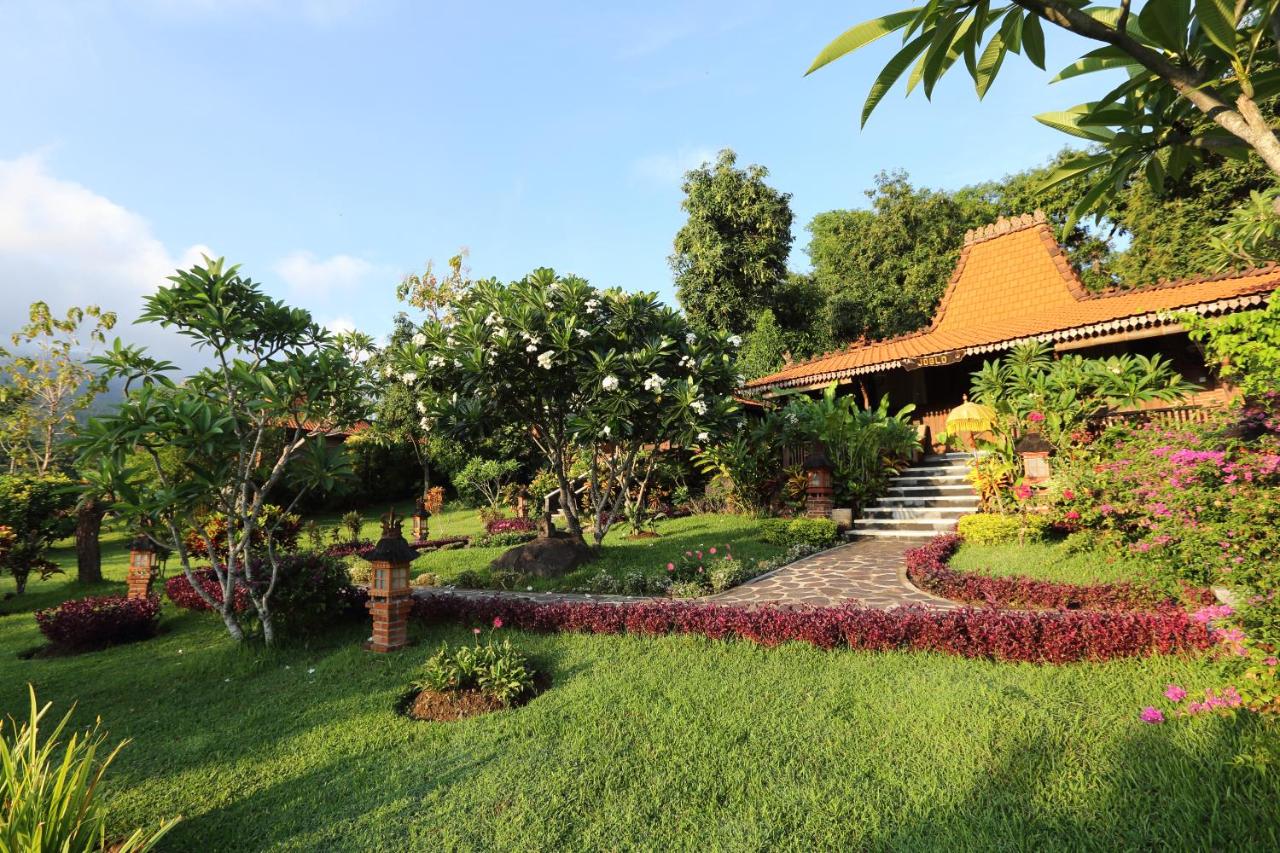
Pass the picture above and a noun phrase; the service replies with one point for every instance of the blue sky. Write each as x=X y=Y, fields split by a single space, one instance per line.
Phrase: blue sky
x=332 y=146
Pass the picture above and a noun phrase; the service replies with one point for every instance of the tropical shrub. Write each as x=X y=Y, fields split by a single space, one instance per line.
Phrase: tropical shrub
x=728 y=573
x=816 y=533
x=426 y=579
x=91 y=623
x=499 y=670
x=284 y=529
x=353 y=523
x=927 y=567
x=469 y=579
x=50 y=789
x=502 y=540
x=993 y=529
x=509 y=525
x=483 y=480
x=359 y=572
x=37 y=511
x=1035 y=636
x=433 y=500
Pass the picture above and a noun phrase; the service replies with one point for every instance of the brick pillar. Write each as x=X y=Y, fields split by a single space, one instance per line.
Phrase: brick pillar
x=140 y=581
x=390 y=596
x=818 y=506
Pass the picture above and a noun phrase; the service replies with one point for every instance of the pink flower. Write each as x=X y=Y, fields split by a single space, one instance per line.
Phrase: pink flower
x=1035 y=417
x=1271 y=661
x=671 y=567
x=1022 y=492
x=712 y=550
x=1068 y=495
x=1151 y=715
x=497 y=621
x=1175 y=693
x=475 y=631
x=1072 y=515
x=1106 y=509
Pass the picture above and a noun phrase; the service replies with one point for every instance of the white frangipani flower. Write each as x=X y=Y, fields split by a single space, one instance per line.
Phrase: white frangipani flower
x=702 y=436
x=421 y=406
x=409 y=378
x=582 y=333
x=425 y=424
x=699 y=406
x=654 y=383
x=532 y=347
x=690 y=338
x=735 y=340
x=609 y=383
x=546 y=360
x=436 y=361
x=605 y=431
x=419 y=340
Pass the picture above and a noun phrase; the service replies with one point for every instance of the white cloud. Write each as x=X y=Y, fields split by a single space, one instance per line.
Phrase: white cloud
x=338 y=325
x=315 y=277
x=65 y=244
x=668 y=169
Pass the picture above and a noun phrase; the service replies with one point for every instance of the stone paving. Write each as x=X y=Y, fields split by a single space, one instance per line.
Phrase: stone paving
x=868 y=572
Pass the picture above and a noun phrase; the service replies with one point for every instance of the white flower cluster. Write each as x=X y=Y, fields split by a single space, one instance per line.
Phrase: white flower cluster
x=546 y=360
x=688 y=362
x=436 y=361
x=409 y=377
x=605 y=432
x=735 y=340
x=654 y=383
x=699 y=406
x=690 y=338
x=702 y=436
x=422 y=407
x=582 y=333
x=419 y=340
x=425 y=424
x=592 y=305
x=609 y=383
x=493 y=319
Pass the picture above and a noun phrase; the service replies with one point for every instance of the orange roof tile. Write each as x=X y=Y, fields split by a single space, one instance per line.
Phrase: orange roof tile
x=1013 y=283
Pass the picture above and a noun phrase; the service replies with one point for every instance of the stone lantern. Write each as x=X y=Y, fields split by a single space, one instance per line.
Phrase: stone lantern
x=389 y=590
x=1035 y=451
x=143 y=560
x=819 y=492
x=421 y=521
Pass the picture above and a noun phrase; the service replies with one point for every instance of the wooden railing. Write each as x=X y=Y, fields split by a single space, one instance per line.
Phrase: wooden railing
x=1163 y=415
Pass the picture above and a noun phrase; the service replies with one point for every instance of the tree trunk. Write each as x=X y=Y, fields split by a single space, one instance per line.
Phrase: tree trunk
x=88 y=550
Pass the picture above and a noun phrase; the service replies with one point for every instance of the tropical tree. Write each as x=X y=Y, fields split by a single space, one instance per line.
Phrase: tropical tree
x=229 y=435
x=1246 y=346
x=47 y=382
x=731 y=254
x=34 y=513
x=1197 y=77
x=591 y=375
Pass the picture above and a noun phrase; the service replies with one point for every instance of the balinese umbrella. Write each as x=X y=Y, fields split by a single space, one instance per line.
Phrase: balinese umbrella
x=970 y=417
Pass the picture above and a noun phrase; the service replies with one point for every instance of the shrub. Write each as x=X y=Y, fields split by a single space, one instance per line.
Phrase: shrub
x=1034 y=636
x=213 y=528
x=504 y=578
x=482 y=480
x=89 y=623
x=359 y=572
x=509 y=525
x=638 y=583
x=604 y=584
x=50 y=789
x=994 y=529
x=349 y=549
x=686 y=589
x=433 y=500
x=499 y=670
x=353 y=522
x=816 y=532
x=927 y=567
x=729 y=573
x=312 y=590
x=469 y=579
x=426 y=579
x=37 y=511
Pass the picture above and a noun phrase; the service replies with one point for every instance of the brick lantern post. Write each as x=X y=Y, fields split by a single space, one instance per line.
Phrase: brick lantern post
x=1035 y=452
x=421 y=521
x=143 y=560
x=819 y=493
x=389 y=591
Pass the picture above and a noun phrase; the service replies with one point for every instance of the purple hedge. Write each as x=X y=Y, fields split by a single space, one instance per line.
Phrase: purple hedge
x=509 y=525
x=927 y=567
x=87 y=623
x=1040 y=637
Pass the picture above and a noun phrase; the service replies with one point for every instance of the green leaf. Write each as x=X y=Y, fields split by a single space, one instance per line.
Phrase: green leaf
x=891 y=72
x=1011 y=29
x=862 y=35
x=1033 y=39
x=1068 y=121
x=1218 y=21
x=935 y=60
x=1165 y=23
x=989 y=64
x=1102 y=59
x=1073 y=168
x=1089 y=202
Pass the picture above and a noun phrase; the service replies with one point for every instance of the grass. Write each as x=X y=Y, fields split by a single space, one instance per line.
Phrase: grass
x=1046 y=561
x=668 y=743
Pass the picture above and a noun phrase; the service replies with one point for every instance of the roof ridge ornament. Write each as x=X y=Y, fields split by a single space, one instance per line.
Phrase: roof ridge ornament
x=1004 y=225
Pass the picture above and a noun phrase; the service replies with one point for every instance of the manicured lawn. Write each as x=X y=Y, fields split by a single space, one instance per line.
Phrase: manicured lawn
x=1044 y=560
x=667 y=743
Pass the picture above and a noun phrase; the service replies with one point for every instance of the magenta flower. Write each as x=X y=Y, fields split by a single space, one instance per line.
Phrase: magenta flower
x=712 y=549
x=1151 y=715
x=1106 y=509
x=1022 y=492
x=671 y=567
x=1175 y=693
x=1035 y=417
x=497 y=621
x=1068 y=495
x=1072 y=515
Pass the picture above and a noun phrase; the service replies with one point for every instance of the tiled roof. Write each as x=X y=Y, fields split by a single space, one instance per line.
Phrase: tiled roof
x=1013 y=283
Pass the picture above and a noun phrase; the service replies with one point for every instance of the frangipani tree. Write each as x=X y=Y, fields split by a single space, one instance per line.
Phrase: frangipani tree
x=225 y=438
x=598 y=374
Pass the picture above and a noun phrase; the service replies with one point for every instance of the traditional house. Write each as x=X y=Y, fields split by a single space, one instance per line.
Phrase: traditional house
x=1013 y=283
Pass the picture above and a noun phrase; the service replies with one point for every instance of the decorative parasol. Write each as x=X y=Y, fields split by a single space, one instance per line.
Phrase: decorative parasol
x=970 y=417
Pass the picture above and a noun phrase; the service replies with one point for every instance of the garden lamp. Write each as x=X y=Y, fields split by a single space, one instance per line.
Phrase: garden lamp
x=143 y=559
x=389 y=591
x=421 y=520
x=819 y=491
x=1035 y=451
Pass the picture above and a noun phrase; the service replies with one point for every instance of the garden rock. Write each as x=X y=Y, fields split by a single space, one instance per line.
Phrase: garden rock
x=546 y=557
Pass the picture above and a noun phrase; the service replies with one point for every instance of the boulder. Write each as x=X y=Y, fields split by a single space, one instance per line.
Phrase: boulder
x=546 y=557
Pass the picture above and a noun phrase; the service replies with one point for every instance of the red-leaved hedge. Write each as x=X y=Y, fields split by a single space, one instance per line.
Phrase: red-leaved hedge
x=89 y=623
x=180 y=592
x=509 y=525
x=927 y=567
x=1041 y=637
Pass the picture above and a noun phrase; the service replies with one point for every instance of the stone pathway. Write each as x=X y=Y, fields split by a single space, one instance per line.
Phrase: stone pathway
x=869 y=572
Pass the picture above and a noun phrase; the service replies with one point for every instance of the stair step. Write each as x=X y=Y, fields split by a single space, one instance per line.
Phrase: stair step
x=936 y=513
x=939 y=469
x=931 y=480
x=921 y=525
x=887 y=534
x=942 y=502
x=956 y=491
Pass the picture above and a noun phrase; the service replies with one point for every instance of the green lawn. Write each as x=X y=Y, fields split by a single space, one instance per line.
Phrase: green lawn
x=668 y=743
x=1044 y=560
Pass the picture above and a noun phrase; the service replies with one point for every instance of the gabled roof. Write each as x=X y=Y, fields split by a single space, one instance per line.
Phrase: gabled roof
x=1012 y=284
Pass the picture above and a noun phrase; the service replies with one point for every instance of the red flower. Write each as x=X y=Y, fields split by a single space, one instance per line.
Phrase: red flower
x=497 y=621
x=1068 y=495
x=1072 y=515
x=1035 y=417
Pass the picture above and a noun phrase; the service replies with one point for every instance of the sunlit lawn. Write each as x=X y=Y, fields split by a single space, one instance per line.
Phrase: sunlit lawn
x=1045 y=560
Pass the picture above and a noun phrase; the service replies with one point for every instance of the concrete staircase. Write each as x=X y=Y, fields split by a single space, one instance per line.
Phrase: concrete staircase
x=924 y=500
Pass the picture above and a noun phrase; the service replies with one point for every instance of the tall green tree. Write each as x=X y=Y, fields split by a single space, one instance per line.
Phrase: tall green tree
x=229 y=435
x=1198 y=76
x=730 y=256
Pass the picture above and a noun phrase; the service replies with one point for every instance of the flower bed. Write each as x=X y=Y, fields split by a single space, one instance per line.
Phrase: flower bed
x=927 y=568
x=1040 y=637
x=90 y=623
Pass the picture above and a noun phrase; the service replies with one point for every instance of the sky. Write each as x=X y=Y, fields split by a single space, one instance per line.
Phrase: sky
x=332 y=146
